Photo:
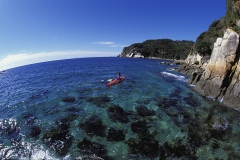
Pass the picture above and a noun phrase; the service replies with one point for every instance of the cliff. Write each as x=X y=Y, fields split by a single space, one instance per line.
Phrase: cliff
x=221 y=77
x=214 y=68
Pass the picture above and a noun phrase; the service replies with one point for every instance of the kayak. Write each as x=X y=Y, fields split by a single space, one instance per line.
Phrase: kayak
x=115 y=81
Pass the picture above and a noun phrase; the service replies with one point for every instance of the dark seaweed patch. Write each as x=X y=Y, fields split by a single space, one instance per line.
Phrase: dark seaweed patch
x=144 y=111
x=87 y=147
x=116 y=113
x=69 y=99
x=94 y=126
x=99 y=101
x=145 y=147
x=115 y=135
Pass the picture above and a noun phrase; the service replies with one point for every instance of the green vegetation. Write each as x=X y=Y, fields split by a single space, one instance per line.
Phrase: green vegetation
x=161 y=48
x=233 y=12
x=205 y=41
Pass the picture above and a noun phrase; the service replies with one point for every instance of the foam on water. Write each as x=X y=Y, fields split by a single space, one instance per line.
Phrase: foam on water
x=175 y=76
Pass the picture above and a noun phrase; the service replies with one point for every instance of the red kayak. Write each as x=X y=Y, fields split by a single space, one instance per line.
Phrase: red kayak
x=115 y=81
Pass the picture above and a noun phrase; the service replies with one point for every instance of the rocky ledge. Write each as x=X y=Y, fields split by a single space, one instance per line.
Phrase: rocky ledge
x=217 y=77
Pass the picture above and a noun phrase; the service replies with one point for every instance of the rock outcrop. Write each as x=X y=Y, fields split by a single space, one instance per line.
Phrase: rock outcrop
x=221 y=76
x=198 y=59
x=132 y=53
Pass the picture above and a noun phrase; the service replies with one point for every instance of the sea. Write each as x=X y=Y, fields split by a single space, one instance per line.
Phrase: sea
x=64 y=110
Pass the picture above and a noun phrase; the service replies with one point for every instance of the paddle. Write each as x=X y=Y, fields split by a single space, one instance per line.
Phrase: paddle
x=109 y=80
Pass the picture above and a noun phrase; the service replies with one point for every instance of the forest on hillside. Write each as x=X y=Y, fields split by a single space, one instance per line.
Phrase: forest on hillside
x=161 y=48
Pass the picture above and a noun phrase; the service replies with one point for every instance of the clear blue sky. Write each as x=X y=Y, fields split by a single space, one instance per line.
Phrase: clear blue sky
x=102 y=27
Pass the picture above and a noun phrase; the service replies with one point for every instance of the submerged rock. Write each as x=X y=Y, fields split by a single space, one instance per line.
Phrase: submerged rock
x=35 y=131
x=69 y=99
x=219 y=127
x=72 y=109
x=64 y=123
x=191 y=100
x=115 y=135
x=99 y=101
x=172 y=111
x=30 y=120
x=59 y=140
x=176 y=93
x=116 y=113
x=144 y=147
x=94 y=126
x=140 y=127
x=166 y=102
x=87 y=148
x=176 y=150
x=144 y=111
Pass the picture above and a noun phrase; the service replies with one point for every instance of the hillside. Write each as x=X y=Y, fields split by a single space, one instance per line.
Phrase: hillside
x=160 y=48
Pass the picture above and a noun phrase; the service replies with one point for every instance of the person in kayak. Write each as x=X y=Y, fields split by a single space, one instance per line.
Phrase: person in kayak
x=119 y=76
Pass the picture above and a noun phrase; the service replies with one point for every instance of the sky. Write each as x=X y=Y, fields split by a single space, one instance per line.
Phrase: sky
x=34 y=31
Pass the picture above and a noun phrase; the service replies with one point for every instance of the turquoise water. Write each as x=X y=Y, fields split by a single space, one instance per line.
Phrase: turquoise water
x=64 y=110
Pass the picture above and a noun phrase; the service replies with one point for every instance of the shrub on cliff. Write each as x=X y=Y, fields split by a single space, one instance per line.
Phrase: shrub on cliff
x=233 y=12
x=204 y=48
x=205 y=41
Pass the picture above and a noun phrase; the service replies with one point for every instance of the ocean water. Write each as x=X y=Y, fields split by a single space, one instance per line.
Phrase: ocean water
x=64 y=110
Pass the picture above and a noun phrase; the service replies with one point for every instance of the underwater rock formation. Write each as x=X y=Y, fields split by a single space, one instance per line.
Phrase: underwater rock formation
x=59 y=140
x=99 y=101
x=94 y=126
x=145 y=146
x=144 y=111
x=35 y=131
x=69 y=99
x=116 y=113
x=115 y=135
x=87 y=147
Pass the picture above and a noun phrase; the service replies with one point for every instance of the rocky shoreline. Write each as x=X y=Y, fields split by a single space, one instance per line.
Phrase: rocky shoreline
x=219 y=76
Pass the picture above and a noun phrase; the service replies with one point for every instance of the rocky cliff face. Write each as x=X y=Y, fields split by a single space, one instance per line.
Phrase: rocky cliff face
x=220 y=78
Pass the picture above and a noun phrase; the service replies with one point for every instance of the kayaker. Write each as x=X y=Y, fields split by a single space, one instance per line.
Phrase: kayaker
x=119 y=76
